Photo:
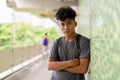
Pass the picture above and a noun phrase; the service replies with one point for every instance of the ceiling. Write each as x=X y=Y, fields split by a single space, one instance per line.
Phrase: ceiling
x=46 y=8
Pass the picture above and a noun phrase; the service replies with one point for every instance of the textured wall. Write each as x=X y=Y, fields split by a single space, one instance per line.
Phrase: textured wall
x=104 y=32
x=105 y=35
x=83 y=18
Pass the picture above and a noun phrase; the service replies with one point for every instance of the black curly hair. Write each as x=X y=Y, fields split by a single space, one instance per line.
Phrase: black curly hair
x=65 y=12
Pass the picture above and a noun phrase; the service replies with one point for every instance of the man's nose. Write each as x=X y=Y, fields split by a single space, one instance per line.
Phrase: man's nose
x=66 y=26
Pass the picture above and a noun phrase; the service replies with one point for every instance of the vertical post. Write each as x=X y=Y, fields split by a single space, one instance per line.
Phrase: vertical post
x=13 y=37
x=13 y=28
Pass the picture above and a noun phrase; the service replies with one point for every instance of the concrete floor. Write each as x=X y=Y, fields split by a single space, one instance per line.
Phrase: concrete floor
x=35 y=71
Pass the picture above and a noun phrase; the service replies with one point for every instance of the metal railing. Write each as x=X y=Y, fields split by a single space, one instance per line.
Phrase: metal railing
x=13 y=58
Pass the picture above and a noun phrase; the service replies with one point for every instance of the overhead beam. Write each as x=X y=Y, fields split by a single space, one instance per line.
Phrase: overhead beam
x=42 y=7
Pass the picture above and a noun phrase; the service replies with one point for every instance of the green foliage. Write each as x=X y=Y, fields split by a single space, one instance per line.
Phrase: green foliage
x=5 y=33
x=25 y=33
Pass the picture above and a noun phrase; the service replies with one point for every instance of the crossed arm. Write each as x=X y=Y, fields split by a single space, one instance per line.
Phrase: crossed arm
x=72 y=66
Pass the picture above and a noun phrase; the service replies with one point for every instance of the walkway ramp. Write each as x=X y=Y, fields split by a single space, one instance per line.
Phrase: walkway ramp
x=35 y=71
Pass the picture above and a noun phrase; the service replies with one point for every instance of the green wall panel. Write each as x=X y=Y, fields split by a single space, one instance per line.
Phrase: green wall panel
x=104 y=31
x=105 y=35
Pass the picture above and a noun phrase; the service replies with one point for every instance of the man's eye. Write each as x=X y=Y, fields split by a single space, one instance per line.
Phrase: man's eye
x=62 y=24
x=69 y=23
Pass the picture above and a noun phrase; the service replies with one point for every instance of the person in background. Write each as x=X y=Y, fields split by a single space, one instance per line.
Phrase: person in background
x=64 y=59
x=45 y=43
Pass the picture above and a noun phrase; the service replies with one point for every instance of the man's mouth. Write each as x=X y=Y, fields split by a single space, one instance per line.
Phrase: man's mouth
x=66 y=31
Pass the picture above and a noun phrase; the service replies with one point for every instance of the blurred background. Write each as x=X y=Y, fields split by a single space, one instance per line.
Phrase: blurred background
x=24 y=22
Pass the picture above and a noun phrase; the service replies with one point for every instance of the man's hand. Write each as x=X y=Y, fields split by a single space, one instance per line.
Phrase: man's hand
x=74 y=62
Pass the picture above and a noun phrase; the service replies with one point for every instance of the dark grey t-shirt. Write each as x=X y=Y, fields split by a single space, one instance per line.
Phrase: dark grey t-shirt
x=62 y=51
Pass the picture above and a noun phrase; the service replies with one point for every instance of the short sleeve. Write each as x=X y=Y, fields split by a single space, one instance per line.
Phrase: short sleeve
x=85 y=47
x=54 y=50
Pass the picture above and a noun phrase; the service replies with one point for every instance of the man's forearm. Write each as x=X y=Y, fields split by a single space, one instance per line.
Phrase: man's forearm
x=82 y=68
x=58 y=65
x=76 y=69
x=61 y=65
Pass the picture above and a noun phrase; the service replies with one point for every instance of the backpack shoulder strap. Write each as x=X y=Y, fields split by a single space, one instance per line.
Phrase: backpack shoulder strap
x=78 y=41
x=79 y=49
x=58 y=43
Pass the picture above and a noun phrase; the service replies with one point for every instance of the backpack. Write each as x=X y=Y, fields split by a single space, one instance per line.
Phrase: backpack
x=78 y=42
x=79 y=50
x=45 y=41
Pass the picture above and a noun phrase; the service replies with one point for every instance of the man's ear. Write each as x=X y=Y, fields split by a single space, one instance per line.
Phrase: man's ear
x=75 y=23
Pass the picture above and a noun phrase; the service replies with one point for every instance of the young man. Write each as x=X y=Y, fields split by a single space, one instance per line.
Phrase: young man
x=65 y=60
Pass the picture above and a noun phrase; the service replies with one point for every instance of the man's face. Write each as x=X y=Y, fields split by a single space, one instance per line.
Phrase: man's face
x=67 y=27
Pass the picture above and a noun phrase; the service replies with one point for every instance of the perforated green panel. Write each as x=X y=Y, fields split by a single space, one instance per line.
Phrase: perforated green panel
x=105 y=39
x=105 y=36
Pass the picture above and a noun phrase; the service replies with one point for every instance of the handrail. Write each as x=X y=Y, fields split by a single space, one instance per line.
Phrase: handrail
x=15 y=58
